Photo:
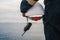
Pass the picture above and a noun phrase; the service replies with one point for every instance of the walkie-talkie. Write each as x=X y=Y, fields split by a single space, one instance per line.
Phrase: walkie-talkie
x=27 y=27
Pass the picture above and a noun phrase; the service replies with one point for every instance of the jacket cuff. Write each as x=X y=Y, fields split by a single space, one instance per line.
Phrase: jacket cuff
x=25 y=6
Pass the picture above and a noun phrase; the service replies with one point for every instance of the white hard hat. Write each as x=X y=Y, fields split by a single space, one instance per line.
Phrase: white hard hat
x=37 y=9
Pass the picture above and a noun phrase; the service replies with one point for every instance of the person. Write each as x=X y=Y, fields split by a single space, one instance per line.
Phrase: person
x=51 y=17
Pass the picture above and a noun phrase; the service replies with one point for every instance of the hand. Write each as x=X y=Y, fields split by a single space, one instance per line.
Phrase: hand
x=23 y=14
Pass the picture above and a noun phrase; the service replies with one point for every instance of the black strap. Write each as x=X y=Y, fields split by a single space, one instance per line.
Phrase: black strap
x=27 y=19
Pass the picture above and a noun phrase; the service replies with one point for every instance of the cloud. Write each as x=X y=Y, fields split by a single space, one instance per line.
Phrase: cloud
x=7 y=1
x=10 y=11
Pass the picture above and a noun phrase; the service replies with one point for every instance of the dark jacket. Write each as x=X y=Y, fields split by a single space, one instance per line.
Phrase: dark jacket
x=52 y=11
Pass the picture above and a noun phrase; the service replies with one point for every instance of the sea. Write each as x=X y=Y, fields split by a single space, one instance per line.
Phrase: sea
x=13 y=31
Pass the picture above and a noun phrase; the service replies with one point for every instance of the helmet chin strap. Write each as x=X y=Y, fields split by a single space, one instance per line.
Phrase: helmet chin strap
x=27 y=19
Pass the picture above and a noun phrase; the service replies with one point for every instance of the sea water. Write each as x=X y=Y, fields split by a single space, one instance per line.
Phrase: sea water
x=13 y=31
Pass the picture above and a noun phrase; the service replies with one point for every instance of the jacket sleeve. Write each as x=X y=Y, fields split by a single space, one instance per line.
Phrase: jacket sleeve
x=25 y=5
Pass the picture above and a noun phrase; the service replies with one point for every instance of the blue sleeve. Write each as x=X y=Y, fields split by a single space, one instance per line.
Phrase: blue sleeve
x=25 y=6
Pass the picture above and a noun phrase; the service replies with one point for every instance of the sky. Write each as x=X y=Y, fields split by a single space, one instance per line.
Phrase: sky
x=10 y=11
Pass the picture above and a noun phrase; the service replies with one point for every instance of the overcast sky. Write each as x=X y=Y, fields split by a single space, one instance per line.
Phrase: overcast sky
x=10 y=11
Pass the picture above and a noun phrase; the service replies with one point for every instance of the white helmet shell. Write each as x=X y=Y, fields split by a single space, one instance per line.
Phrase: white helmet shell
x=36 y=10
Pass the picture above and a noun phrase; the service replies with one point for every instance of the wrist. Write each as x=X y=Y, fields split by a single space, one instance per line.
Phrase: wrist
x=31 y=2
